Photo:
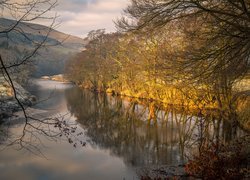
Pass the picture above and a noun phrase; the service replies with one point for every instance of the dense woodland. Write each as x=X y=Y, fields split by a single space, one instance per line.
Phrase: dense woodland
x=192 y=54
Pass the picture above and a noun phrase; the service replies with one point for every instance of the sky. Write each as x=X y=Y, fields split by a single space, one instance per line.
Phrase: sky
x=75 y=17
x=78 y=17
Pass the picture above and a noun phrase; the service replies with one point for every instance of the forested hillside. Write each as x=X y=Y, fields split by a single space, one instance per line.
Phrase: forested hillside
x=50 y=59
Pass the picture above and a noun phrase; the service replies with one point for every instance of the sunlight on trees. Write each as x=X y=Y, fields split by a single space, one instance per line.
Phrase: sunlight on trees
x=185 y=53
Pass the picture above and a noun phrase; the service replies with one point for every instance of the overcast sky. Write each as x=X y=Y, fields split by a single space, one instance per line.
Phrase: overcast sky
x=78 y=17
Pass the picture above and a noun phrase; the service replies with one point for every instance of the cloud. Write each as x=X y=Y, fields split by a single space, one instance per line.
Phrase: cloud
x=78 y=17
x=74 y=5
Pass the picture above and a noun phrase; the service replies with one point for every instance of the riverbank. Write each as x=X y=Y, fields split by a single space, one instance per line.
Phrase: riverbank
x=194 y=106
x=214 y=161
x=58 y=77
x=8 y=102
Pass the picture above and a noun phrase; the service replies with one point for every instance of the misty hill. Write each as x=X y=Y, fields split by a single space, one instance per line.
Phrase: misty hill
x=51 y=58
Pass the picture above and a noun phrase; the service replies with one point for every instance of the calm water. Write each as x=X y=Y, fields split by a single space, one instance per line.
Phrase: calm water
x=120 y=140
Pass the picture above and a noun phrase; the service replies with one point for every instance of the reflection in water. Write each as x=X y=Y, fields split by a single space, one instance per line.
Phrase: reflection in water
x=63 y=161
x=119 y=125
x=119 y=137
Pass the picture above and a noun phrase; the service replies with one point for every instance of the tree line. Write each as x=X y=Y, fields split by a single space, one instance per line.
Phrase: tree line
x=186 y=53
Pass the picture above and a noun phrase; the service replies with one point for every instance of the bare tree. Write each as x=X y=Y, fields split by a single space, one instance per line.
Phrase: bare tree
x=22 y=14
x=225 y=28
x=217 y=33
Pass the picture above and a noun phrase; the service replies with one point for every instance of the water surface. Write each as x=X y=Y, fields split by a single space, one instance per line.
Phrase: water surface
x=120 y=138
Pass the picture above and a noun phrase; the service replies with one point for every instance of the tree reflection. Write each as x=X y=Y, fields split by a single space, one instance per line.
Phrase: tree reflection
x=121 y=125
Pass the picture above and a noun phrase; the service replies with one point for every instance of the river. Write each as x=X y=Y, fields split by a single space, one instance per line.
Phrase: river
x=116 y=141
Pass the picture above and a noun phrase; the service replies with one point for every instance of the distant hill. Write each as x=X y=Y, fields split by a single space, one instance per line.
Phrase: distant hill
x=52 y=58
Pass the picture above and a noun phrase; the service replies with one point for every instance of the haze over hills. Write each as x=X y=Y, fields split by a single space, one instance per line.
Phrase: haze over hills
x=51 y=58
